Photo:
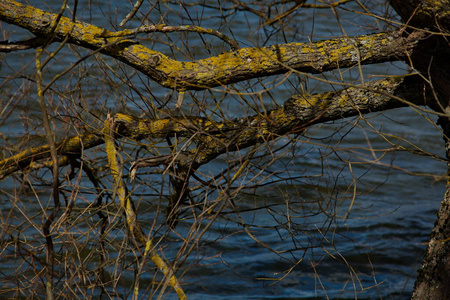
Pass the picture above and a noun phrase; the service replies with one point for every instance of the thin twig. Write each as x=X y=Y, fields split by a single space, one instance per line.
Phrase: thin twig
x=165 y=28
x=131 y=14
x=54 y=155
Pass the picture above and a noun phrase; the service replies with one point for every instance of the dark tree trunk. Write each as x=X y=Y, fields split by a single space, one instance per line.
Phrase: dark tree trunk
x=430 y=58
x=433 y=280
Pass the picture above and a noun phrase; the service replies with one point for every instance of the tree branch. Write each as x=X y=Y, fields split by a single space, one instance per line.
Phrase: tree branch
x=70 y=146
x=216 y=138
x=7 y=46
x=304 y=110
x=229 y=67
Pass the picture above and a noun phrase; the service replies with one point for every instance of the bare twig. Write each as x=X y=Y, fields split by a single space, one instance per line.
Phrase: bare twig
x=131 y=14
x=184 y=28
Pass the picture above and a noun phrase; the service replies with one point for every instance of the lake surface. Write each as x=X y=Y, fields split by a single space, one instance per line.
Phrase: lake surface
x=353 y=222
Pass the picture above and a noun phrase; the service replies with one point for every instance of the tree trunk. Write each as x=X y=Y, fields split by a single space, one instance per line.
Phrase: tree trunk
x=433 y=280
x=430 y=58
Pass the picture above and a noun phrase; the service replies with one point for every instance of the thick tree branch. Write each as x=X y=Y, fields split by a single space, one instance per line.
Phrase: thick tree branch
x=70 y=146
x=229 y=67
x=304 y=110
x=424 y=13
x=216 y=138
x=430 y=56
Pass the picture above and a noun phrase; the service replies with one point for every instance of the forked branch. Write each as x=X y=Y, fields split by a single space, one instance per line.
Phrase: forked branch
x=215 y=138
x=223 y=69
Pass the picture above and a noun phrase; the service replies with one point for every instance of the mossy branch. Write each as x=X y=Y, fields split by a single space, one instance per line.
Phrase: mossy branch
x=127 y=206
x=304 y=110
x=226 y=68
x=72 y=146
x=215 y=138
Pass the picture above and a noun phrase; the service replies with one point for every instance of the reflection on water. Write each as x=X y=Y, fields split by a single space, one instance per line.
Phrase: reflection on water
x=324 y=242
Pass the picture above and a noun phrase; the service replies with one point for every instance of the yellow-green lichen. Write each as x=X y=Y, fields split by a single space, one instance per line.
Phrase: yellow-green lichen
x=343 y=99
x=157 y=127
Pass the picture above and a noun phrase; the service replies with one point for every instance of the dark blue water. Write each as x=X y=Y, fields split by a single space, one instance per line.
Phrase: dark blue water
x=352 y=222
x=374 y=253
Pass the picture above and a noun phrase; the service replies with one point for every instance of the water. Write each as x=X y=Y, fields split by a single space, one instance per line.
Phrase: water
x=324 y=241
x=373 y=254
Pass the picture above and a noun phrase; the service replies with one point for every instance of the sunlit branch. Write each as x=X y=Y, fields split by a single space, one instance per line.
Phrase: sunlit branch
x=134 y=227
x=217 y=137
x=226 y=68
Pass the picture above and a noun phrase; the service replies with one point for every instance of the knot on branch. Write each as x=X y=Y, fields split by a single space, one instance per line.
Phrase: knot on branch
x=155 y=60
x=45 y=20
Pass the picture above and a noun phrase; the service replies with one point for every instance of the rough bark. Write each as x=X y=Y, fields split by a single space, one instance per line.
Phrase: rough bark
x=430 y=58
x=229 y=67
x=215 y=138
x=433 y=278
x=424 y=13
x=304 y=110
